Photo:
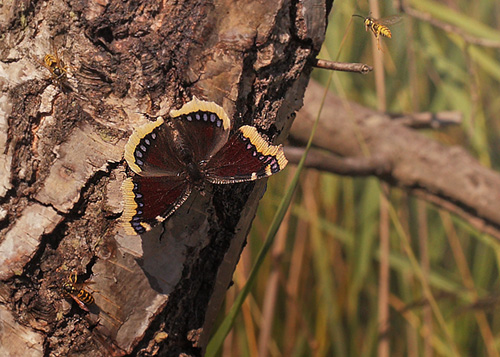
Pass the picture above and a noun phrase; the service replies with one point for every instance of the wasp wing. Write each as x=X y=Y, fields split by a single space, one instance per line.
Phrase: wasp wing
x=390 y=20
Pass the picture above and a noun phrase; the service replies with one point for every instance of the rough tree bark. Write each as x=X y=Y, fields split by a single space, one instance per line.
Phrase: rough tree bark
x=62 y=162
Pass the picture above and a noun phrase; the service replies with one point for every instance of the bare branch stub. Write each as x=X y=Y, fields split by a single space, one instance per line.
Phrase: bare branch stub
x=343 y=66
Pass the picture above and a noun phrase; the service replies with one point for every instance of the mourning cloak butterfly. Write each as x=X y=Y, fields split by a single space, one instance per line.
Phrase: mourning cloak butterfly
x=170 y=158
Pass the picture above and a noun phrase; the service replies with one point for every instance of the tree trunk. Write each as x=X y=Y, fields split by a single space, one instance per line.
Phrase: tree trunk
x=63 y=139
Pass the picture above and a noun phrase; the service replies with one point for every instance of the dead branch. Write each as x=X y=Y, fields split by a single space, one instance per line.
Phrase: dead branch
x=325 y=161
x=426 y=120
x=446 y=176
x=343 y=66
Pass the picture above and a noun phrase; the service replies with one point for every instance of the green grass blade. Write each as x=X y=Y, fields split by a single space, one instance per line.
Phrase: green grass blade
x=218 y=338
x=460 y=20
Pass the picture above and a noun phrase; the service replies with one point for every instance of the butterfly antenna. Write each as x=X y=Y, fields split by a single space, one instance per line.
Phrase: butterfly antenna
x=147 y=115
x=163 y=230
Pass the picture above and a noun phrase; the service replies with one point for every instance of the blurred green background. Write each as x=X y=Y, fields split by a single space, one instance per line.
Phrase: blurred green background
x=319 y=292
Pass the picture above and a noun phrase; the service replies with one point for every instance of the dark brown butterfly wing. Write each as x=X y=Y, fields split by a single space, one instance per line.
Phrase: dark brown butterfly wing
x=150 y=200
x=151 y=150
x=203 y=128
x=246 y=156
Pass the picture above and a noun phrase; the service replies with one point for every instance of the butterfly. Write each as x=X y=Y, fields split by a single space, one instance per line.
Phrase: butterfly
x=170 y=158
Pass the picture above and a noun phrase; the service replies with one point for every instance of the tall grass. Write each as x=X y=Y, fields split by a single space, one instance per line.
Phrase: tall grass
x=317 y=294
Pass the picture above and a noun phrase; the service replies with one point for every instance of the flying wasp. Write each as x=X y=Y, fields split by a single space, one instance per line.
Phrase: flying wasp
x=82 y=297
x=380 y=26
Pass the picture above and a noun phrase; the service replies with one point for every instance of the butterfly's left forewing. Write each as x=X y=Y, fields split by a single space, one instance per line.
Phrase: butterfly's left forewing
x=246 y=156
x=150 y=200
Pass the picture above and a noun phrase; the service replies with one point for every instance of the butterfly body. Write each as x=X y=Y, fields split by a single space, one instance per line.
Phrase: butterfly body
x=191 y=149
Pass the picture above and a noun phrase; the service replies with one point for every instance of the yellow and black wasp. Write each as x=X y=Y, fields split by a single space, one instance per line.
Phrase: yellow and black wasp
x=380 y=26
x=82 y=297
x=55 y=66
x=57 y=69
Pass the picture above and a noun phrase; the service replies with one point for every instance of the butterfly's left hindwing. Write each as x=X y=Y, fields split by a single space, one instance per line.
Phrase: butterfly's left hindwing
x=149 y=200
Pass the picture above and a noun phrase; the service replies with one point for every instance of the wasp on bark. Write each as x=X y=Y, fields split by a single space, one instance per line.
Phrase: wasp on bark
x=71 y=289
x=58 y=70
